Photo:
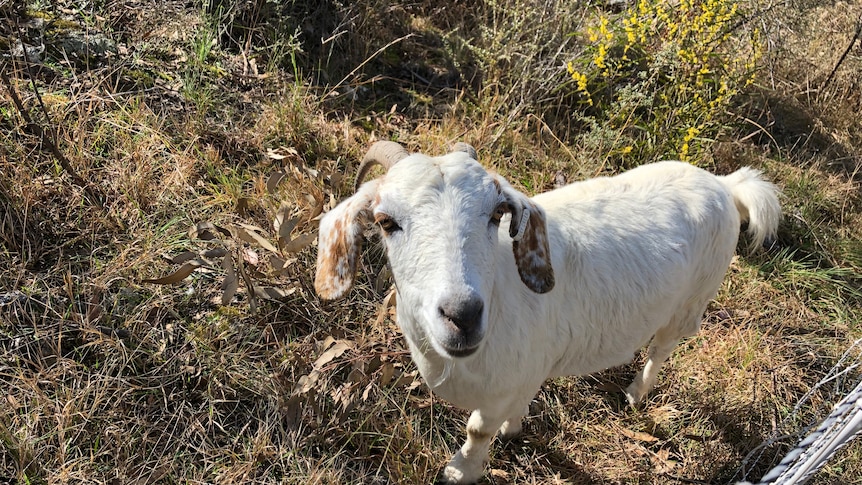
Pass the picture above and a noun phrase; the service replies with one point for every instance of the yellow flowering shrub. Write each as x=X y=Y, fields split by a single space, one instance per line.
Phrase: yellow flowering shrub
x=663 y=73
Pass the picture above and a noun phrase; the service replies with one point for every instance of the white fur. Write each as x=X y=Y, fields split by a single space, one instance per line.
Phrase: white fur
x=635 y=257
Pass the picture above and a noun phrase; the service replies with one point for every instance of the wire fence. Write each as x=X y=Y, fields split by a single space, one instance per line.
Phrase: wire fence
x=828 y=436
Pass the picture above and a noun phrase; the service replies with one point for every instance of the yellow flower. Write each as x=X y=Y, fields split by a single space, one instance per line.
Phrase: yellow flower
x=599 y=60
x=690 y=134
x=582 y=83
x=603 y=29
x=580 y=78
x=643 y=7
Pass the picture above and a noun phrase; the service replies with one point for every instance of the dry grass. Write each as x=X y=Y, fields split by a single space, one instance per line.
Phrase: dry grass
x=110 y=379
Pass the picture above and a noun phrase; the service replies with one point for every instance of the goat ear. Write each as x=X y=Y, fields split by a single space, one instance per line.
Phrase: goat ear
x=530 y=245
x=340 y=241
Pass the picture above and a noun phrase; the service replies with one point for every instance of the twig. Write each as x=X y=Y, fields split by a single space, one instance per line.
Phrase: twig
x=760 y=129
x=47 y=139
x=366 y=61
x=844 y=56
x=554 y=135
x=44 y=137
x=744 y=19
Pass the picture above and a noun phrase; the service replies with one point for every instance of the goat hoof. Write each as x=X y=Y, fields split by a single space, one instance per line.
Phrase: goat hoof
x=633 y=395
x=461 y=471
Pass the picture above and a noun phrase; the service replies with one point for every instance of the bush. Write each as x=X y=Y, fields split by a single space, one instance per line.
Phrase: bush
x=663 y=75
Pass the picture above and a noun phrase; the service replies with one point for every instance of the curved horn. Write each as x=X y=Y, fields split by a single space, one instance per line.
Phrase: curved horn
x=466 y=148
x=384 y=153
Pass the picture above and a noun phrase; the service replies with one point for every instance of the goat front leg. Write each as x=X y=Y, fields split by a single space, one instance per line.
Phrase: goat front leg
x=468 y=464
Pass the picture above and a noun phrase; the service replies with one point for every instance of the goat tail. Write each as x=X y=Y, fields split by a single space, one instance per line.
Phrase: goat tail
x=756 y=200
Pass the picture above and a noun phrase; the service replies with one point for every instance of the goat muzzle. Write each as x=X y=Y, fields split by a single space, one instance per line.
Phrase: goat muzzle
x=463 y=321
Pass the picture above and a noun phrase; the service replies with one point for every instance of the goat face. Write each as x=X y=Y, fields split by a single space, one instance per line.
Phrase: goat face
x=439 y=220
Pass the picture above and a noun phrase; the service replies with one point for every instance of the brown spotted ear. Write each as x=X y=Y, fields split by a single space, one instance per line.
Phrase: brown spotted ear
x=340 y=241
x=530 y=244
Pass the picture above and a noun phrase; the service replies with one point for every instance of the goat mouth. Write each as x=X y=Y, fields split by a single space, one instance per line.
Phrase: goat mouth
x=461 y=352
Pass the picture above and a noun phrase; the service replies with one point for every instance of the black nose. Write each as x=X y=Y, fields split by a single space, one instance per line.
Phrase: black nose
x=463 y=313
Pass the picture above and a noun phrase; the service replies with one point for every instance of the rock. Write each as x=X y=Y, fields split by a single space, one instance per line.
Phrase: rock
x=81 y=48
x=33 y=52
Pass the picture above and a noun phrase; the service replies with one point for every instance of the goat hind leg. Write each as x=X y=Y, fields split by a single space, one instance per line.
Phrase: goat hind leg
x=662 y=345
x=512 y=426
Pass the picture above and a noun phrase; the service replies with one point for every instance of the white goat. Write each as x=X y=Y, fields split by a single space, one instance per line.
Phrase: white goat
x=606 y=264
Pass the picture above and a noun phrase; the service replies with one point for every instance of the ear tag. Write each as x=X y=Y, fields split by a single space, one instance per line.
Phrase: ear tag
x=522 y=225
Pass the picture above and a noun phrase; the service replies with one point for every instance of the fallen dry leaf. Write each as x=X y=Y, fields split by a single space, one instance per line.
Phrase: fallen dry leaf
x=177 y=275
x=387 y=371
x=334 y=180
x=300 y=242
x=638 y=435
x=498 y=473
x=272 y=293
x=183 y=257
x=306 y=382
x=231 y=282
x=251 y=236
x=273 y=180
x=214 y=253
x=207 y=231
x=387 y=308
x=383 y=280
x=662 y=462
x=334 y=352
x=282 y=224
x=242 y=206
x=250 y=256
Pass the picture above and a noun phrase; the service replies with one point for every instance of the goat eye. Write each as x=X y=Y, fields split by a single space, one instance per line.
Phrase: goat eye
x=387 y=223
x=498 y=213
